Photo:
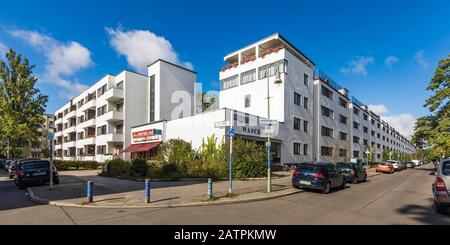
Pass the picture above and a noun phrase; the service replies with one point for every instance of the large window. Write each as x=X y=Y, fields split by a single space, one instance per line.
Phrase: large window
x=342 y=152
x=355 y=140
x=355 y=154
x=101 y=130
x=327 y=93
x=326 y=151
x=342 y=102
x=230 y=82
x=305 y=126
x=305 y=149
x=297 y=123
x=281 y=66
x=152 y=98
x=356 y=111
x=306 y=79
x=365 y=116
x=356 y=125
x=101 y=149
x=297 y=98
x=326 y=112
x=305 y=102
x=342 y=136
x=101 y=110
x=297 y=148
x=365 y=129
x=328 y=132
x=101 y=91
x=248 y=76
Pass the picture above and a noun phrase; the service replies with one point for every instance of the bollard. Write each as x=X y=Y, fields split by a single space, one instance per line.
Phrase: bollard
x=147 y=191
x=210 y=195
x=90 y=191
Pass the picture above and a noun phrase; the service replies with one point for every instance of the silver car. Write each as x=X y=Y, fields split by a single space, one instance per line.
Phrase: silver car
x=441 y=187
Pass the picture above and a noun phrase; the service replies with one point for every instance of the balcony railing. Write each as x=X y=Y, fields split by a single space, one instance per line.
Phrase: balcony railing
x=319 y=75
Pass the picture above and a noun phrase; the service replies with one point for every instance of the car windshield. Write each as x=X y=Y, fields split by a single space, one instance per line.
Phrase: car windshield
x=342 y=165
x=34 y=165
x=446 y=168
x=309 y=168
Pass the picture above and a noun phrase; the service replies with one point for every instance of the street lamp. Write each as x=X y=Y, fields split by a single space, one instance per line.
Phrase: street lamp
x=277 y=81
x=50 y=134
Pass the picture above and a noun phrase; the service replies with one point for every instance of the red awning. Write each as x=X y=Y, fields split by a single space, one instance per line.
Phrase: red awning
x=131 y=148
x=147 y=146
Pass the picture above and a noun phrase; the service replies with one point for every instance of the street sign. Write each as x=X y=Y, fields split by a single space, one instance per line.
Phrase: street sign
x=268 y=130
x=50 y=136
x=267 y=122
x=231 y=132
x=222 y=124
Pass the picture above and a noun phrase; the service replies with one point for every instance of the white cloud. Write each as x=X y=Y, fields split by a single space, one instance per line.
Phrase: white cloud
x=420 y=58
x=390 y=61
x=404 y=123
x=379 y=109
x=141 y=47
x=63 y=59
x=357 y=66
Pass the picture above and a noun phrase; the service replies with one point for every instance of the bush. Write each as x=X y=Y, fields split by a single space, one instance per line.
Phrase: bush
x=116 y=168
x=138 y=168
x=75 y=165
x=178 y=152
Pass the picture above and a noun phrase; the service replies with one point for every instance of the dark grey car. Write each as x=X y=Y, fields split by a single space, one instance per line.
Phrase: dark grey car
x=441 y=187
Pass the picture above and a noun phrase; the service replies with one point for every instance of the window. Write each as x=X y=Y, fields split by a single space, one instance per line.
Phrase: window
x=342 y=102
x=119 y=107
x=378 y=125
x=119 y=85
x=230 y=82
x=247 y=118
x=365 y=129
x=366 y=117
x=384 y=138
x=326 y=151
x=101 y=149
x=101 y=110
x=152 y=98
x=355 y=111
x=305 y=103
x=297 y=147
x=378 y=135
x=342 y=152
x=248 y=100
x=101 y=91
x=101 y=130
x=355 y=154
x=305 y=126
x=373 y=122
x=366 y=142
x=355 y=140
x=343 y=119
x=373 y=133
x=327 y=93
x=355 y=125
x=248 y=76
x=306 y=79
x=281 y=67
x=305 y=149
x=327 y=112
x=297 y=123
x=328 y=132
x=342 y=136
x=378 y=146
x=297 y=98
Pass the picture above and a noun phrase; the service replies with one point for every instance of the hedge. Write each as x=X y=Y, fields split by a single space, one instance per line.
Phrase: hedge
x=75 y=165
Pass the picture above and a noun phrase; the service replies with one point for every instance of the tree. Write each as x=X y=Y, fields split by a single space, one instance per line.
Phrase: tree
x=434 y=130
x=22 y=106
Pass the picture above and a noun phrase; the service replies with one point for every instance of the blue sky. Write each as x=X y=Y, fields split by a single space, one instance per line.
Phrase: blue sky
x=384 y=52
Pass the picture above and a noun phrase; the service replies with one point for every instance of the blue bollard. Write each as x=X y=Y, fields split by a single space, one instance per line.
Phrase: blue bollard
x=147 y=191
x=210 y=195
x=90 y=191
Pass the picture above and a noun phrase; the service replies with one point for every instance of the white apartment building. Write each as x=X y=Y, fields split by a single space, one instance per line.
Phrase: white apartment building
x=96 y=125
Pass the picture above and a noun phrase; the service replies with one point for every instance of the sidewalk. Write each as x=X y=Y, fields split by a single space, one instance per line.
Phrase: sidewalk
x=112 y=192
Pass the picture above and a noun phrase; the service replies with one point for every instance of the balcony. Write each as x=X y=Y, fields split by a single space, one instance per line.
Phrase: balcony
x=111 y=116
x=58 y=133
x=59 y=121
x=102 y=139
x=70 y=129
x=71 y=114
x=87 y=141
x=69 y=144
x=87 y=123
x=88 y=105
x=113 y=94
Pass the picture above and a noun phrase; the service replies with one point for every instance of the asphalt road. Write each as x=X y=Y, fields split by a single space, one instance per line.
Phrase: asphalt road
x=402 y=198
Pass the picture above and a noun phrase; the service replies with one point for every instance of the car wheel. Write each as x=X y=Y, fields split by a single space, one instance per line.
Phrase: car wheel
x=355 y=180
x=440 y=209
x=327 y=188
x=343 y=184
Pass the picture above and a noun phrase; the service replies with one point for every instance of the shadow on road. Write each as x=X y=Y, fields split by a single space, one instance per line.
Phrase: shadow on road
x=424 y=215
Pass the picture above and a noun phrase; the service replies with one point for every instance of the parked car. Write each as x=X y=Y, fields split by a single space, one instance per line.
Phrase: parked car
x=318 y=176
x=7 y=163
x=385 y=167
x=395 y=164
x=30 y=172
x=410 y=165
x=441 y=187
x=3 y=163
x=291 y=166
x=353 y=172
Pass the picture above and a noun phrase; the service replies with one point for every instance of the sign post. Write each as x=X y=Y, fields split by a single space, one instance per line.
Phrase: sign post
x=230 y=133
x=50 y=137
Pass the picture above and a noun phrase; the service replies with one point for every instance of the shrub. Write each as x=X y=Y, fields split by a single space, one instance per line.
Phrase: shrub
x=75 y=165
x=138 y=168
x=116 y=168
x=178 y=152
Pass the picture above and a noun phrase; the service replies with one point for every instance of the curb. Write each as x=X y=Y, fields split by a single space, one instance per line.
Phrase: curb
x=39 y=200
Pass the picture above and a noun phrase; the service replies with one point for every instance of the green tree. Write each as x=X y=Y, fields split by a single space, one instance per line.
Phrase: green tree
x=22 y=106
x=385 y=155
x=434 y=130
